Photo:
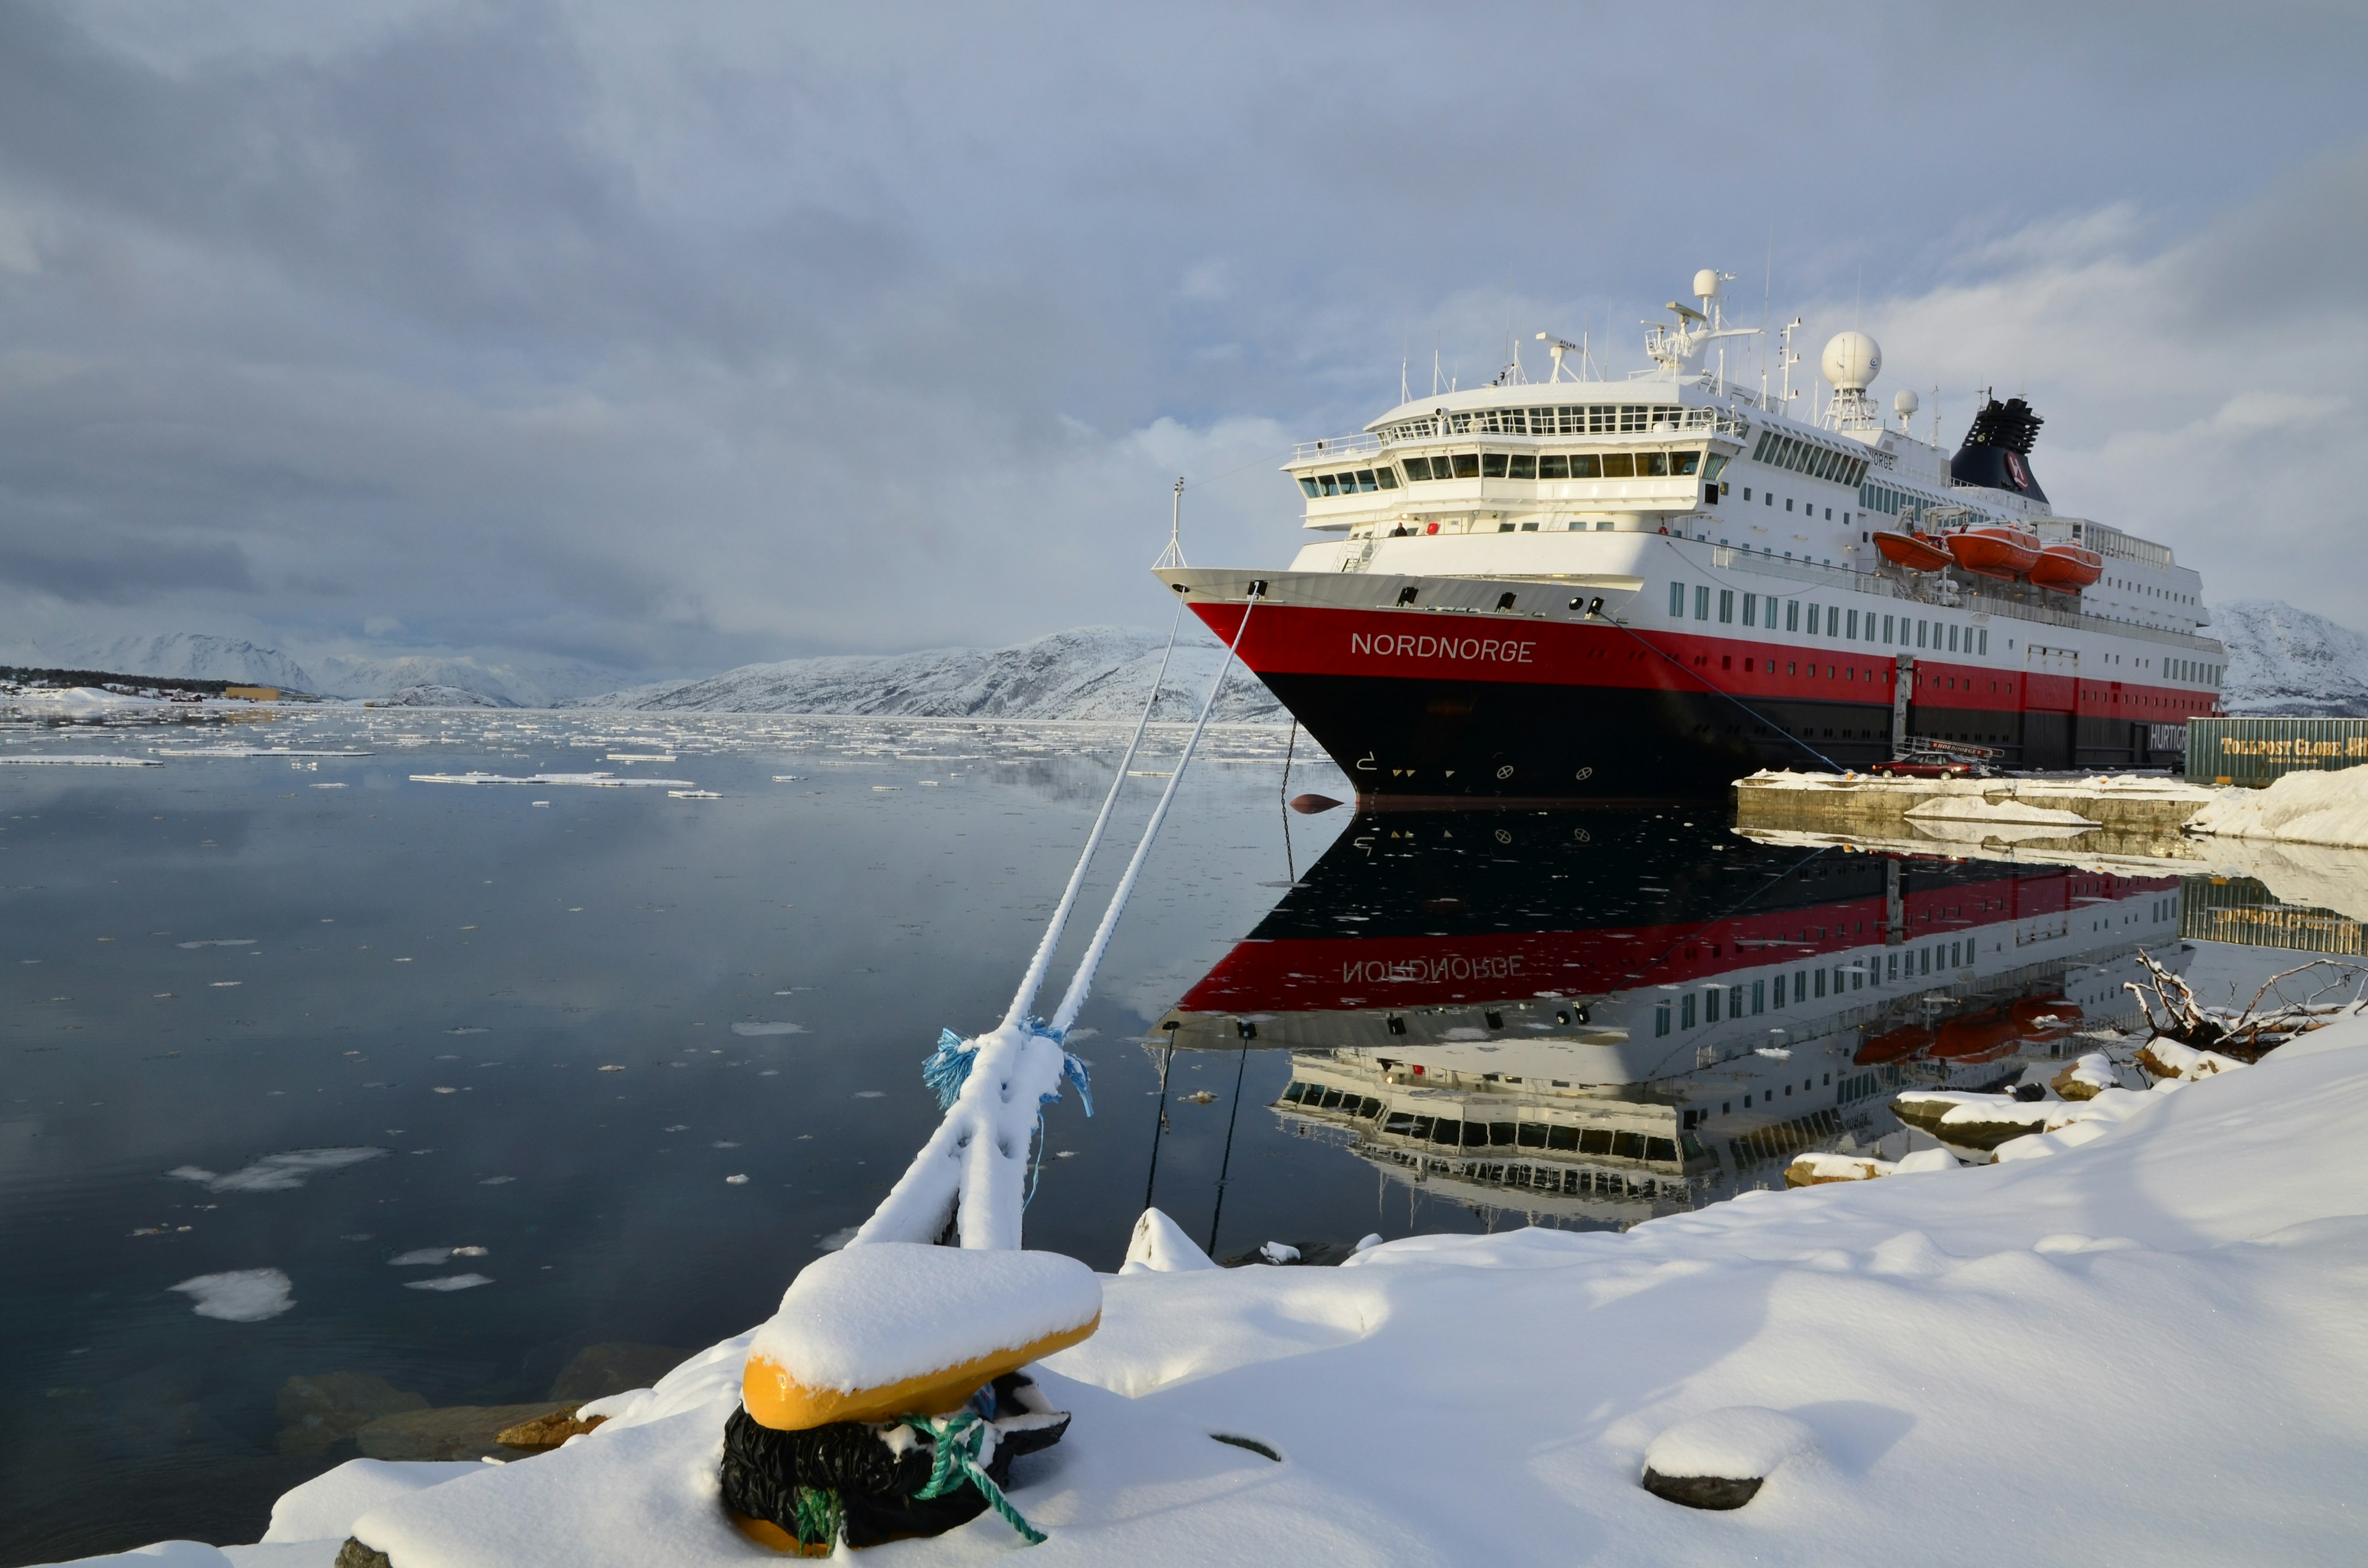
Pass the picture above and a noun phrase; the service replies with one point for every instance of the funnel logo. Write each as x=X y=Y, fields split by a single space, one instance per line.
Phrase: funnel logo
x=2016 y=472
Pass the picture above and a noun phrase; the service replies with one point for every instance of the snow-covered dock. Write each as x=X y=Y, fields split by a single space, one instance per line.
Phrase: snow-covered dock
x=2123 y=814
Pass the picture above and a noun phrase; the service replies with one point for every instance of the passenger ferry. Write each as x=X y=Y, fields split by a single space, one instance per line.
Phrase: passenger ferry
x=1585 y=1018
x=1594 y=589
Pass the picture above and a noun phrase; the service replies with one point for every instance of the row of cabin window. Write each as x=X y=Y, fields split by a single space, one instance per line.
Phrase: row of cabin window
x=1511 y=465
x=1707 y=1006
x=1779 y=451
x=1902 y=631
x=1892 y=503
x=2193 y=669
x=1555 y=465
x=1464 y=1134
x=1566 y=419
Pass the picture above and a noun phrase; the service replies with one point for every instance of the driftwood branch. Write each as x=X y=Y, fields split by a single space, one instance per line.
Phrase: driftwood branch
x=2268 y=1021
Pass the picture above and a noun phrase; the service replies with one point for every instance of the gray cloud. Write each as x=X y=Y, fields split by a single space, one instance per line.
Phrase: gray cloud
x=662 y=340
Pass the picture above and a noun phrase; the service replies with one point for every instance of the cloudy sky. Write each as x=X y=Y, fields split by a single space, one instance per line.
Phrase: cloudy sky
x=665 y=339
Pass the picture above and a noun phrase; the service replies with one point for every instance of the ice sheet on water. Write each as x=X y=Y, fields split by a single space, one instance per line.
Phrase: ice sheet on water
x=582 y=780
x=242 y=1295
x=276 y=1172
x=219 y=942
x=767 y=1028
x=63 y=759
x=447 y=1282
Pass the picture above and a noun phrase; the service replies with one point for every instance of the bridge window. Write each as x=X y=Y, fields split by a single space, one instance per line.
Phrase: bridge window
x=1618 y=465
x=1653 y=465
x=1523 y=467
x=1467 y=465
x=1308 y=484
x=1491 y=465
x=1554 y=465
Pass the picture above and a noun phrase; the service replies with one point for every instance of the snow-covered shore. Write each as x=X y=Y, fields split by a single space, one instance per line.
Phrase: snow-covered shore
x=2144 y=1347
x=2301 y=808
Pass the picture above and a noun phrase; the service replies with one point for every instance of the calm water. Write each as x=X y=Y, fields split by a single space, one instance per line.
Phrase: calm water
x=305 y=1014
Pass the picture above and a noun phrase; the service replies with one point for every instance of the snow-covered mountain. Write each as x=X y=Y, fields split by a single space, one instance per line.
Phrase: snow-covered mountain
x=1093 y=672
x=481 y=683
x=187 y=655
x=2284 y=662
x=413 y=679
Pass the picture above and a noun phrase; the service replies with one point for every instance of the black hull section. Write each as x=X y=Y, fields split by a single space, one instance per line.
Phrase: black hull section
x=1425 y=741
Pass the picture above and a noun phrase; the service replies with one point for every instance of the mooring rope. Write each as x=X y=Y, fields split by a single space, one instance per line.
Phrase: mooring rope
x=1033 y=981
x=1082 y=981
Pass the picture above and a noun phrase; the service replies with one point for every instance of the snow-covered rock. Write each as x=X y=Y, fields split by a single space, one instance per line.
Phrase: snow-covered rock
x=1719 y=1458
x=2084 y=1079
x=1094 y=672
x=1160 y=1245
x=2163 y=1058
x=2288 y=662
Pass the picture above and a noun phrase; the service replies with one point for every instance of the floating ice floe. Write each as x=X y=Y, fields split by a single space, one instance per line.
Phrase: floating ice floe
x=447 y=1282
x=219 y=942
x=253 y=751
x=63 y=759
x=693 y=795
x=581 y=780
x=242 y=1295
x=767 y=1028
x=276 y=1172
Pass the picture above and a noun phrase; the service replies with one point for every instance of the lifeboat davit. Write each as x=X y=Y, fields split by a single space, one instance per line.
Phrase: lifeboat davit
x=1915 y=551
x=2067 y=568
x=1893 y=1045
x=1995 y=552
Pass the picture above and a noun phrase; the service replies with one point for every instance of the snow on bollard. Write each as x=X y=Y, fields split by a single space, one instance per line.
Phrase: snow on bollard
x=863 y=1334
x=1160 y=1247
x=1719 y=1458
x=884 y=1398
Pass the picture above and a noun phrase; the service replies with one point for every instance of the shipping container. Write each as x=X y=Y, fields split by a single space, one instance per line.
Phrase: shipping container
x=2260 y=751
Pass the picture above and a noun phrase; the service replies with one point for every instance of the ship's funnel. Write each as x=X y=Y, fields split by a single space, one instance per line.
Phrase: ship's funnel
x=1998 y=450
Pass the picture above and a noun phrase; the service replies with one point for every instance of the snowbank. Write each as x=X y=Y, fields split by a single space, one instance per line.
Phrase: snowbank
x=2173 y=1301
x=2301 y=808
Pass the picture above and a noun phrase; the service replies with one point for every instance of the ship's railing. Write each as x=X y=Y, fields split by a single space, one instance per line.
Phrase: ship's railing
x=1545 y=422
x=1336 y=447
x=1925 y=590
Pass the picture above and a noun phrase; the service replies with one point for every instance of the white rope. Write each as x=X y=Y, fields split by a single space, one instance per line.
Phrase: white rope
x=1084 y=978
x=1033 y=981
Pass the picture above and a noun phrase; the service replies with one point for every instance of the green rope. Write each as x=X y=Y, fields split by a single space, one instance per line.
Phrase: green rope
x=954 y=1459
x=818 y=1516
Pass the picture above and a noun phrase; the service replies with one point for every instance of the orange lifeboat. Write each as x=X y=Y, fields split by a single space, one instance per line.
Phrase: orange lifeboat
x=1915 y=551
x=1995 y=552
x=1985 y=1036
x=1893 y=1045
x=2067 y=568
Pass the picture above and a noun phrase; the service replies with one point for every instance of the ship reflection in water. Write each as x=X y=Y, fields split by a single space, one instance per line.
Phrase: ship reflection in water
x=1594 y=1022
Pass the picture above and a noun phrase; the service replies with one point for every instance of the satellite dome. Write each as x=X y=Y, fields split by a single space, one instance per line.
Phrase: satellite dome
x=1852 y=360
x=1904 y=403
x=1706 y=283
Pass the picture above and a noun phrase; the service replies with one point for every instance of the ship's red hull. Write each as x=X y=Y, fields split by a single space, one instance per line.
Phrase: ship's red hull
x=1434 y=706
